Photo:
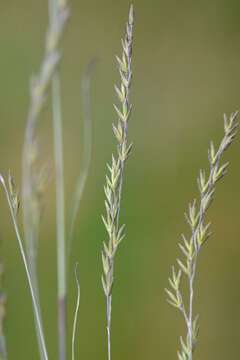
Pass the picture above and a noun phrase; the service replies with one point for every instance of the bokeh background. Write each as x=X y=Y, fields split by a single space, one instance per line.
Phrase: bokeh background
x=186 y=75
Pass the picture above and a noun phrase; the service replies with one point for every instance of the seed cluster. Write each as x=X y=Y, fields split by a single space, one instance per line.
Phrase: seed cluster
x=114 y=179
x=199 y=230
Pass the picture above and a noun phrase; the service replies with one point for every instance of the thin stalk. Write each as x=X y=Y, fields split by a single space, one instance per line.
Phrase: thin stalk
x=190 y=317
x=60 y=214
x=109 y=318
x=87 y=151
x=60 y=199
x=75 y=319
x=29 y=279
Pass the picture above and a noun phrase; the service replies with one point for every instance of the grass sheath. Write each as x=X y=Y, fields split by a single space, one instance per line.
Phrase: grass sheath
x=114 y=181
x=199 y=234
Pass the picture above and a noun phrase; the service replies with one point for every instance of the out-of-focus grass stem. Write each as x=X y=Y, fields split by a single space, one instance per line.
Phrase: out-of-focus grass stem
x=60 y=216
x=60 y=197
x=87 y=149
x=31 y=183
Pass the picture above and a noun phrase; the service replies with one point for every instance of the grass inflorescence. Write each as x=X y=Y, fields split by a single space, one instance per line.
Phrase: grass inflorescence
x=114 y=180
x=199 y=233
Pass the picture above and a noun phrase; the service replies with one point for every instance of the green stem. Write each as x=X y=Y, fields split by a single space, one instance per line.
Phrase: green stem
x=60 y=214
x=60 y=201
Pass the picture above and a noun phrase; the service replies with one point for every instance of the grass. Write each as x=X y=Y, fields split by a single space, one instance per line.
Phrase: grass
x=13 y=203
x=55 y=10
x=35 y=176
x=45 y=85
x=199 y=234
x=114 y=181
x=32 y=184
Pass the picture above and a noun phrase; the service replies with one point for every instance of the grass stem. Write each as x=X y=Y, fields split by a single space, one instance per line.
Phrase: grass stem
x=54 y=6
x=13 y=212
x=75 y=319
x=60 y=215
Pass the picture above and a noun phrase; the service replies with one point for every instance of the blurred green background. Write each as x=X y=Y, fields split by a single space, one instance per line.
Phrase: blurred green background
x=186 y=75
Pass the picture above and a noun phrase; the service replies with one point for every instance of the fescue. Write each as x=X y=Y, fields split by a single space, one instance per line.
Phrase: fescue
x=35 y=175
x=199 y=234
x=114 y=180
